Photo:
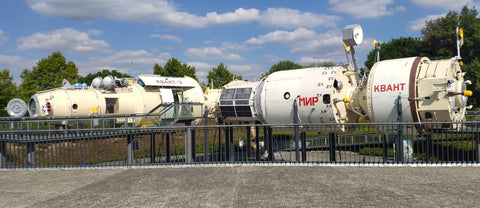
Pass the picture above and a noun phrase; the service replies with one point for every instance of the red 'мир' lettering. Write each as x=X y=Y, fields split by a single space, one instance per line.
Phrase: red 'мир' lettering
x=389 y=87
x=307 y=101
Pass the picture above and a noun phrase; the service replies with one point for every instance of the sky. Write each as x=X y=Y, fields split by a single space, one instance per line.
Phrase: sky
x=247 y=36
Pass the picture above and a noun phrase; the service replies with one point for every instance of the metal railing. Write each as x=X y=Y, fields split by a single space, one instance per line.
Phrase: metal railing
x=69 y=143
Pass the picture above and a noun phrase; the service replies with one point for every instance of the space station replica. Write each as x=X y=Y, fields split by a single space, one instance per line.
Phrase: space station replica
x=416 y=89
x=147 y=95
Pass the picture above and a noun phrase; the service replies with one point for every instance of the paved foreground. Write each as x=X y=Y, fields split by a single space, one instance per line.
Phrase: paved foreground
x=243 y=186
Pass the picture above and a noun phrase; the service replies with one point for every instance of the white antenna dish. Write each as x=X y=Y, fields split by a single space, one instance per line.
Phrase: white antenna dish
x=352 y=35
x=16 y=108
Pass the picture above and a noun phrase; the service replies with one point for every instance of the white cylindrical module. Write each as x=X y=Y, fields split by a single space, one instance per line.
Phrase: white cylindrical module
x=136 y=98
x=428 y=90
x=319 y=92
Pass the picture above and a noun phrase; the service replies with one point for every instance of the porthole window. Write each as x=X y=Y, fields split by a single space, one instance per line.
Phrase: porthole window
x=286 y=96
x=74 y=106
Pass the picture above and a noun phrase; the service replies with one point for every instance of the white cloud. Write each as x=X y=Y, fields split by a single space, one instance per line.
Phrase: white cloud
x=212 y=53
x=201 y=69
x=161 y=11
x=246 y=70
x=167 y=37
x=94 y=32
x=446 y=4
x=292 y=18
x=320 y=47
x=418 y=24
x=236 y=47
x=284 y=37
x=311 y=60
x=126 y=61
x=65 y=39
x=365 y=8
x=3 y=37
x=166 y=12
x=302 y=40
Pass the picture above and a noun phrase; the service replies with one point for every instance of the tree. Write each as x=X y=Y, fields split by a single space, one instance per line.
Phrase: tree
x=396 y=48
x=439 y=38
x=220 y=76
x=282 y=65
x=157 y=69
x=48 y=74
x=175 y=68
x=8 y=90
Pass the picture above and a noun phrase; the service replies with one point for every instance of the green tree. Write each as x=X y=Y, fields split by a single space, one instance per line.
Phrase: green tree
x=8 y=90
x=439 y=38
x=48 y=74
x=157 y=69
x=282 y=65
x=175 y=68
x=88 y=79
x=396 y=48
x=220 y=76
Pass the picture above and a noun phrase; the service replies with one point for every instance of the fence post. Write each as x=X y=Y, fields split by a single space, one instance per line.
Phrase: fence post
x=331 y=142
x=188 y=143
x=270 y=144
x=428 y=141
x=205 y=142
x=257 y=142
x=249 y=140
x=31 y=152
x=304 y=147
x=152 y=147
x=399 y=153
x=477 y=141
x=295 y=121
x=3 y=154
x=232 y=151
x=167 y=147
x=129 y=148
x=227 y=143
x=220 y=153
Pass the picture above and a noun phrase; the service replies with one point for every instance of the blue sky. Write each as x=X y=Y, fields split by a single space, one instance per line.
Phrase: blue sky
x=248 y=36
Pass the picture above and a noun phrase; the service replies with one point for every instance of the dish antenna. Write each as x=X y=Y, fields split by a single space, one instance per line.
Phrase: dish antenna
x=352 y=35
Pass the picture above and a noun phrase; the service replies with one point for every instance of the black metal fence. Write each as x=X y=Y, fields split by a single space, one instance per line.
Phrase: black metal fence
x=44 y=144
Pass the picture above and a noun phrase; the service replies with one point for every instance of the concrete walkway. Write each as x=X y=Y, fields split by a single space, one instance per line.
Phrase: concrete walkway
x=243 y=186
